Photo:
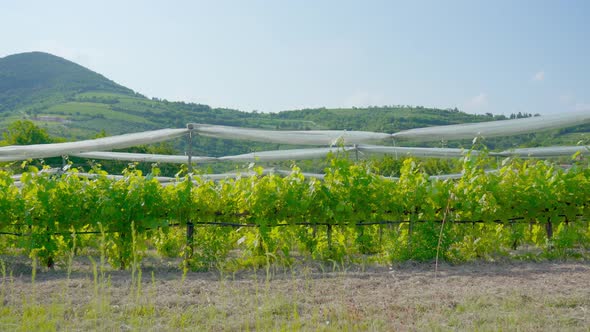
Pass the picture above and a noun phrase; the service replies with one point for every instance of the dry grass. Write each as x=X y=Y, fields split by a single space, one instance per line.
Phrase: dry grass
x=544 y=296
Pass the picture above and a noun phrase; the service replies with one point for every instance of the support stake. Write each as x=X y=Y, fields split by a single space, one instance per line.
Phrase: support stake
x=410 y=231
x=329 y=234
x=189 y=150
x=190 y=231
x=549 y=229
x=190 y=227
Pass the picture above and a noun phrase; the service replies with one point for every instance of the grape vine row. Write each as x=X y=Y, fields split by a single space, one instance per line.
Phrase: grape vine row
x=351 y=214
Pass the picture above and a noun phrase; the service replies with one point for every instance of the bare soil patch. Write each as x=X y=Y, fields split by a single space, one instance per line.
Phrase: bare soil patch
x=530 y=296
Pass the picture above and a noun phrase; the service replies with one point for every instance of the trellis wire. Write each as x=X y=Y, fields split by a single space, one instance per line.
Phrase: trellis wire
x=508 y=221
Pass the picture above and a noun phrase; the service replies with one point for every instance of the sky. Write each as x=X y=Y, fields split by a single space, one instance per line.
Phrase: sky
x=495 y=56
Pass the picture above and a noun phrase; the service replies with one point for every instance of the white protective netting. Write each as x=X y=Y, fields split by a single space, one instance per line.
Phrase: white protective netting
x=250 y=173
x=319 y=153
x=277 y=155
x=244 y=174
x=144 y=157
x=262 y=156
x=546 y=152
x=494 y=128
x=294 y=137
x=166 y=181
x=441 y=177
x=95 y=148
x=49 y=171
x=414 y=152
x=23 y=152
x=436 y=133
x=456 y=176
x=305 y=174
x=161 y=179
x=233 y=175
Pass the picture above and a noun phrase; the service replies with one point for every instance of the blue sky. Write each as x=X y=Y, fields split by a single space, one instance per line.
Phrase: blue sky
x=479 y=56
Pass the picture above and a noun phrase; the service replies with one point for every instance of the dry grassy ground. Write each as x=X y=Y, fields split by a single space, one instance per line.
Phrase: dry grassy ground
x=529 y=296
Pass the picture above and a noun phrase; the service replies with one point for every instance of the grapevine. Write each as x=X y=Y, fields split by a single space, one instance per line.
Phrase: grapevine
x=351 y=214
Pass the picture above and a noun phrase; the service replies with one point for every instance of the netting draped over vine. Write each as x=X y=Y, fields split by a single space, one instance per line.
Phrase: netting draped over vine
x=230 y=175
x=511 y=206
x=494 y=128
x=294 y=137
x=415 y=152
x=98 y=148
x=551 y=151
x=318 y=153
x=144 y=157
x=23 y=152
x=435 y=133
x=291 y=154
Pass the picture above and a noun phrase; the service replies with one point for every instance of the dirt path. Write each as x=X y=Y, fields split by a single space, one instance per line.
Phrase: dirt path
x=485 y=296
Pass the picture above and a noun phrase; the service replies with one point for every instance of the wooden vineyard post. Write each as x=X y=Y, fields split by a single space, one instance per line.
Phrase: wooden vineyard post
x=50 y=261
x=190 y=231
x=549 y=230
x=64 y=163
x=121 y=256
x=190 y=227
x=410 y=231
x=329 y=235
x=189 y=150
x=515 y=242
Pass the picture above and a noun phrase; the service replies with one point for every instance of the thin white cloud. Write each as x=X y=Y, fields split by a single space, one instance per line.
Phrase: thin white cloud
x=582 y=107
x=539 y=76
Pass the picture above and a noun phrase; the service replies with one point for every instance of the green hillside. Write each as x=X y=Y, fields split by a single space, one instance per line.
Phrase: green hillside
x=45 y=79
x=73 y=102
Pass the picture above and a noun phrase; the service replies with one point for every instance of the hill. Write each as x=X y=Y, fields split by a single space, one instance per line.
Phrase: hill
x=74 y=102
x=38 y=77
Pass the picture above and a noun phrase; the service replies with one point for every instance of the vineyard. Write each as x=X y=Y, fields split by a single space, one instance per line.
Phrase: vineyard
x=350 y=215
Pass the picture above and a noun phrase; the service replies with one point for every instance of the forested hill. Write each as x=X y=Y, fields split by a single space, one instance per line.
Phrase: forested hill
x=38 y=77
x=73 y=102
x=59 y=93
